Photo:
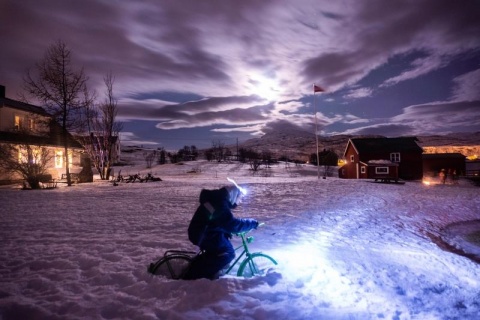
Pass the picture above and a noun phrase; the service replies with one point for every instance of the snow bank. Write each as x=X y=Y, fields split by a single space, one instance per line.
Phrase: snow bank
x=347 y=249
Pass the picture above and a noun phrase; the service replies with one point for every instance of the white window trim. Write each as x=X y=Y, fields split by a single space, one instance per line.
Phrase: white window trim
x=381 y=170
x=395 y=157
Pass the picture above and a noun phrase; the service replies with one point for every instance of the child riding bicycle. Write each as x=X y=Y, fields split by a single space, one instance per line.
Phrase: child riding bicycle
x=211 y=229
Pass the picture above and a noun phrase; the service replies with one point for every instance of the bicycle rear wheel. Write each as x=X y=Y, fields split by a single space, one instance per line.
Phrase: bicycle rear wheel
x=256 y=264
x=172 y=266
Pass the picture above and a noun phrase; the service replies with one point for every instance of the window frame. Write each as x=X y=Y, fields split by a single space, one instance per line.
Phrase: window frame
x=395 y=157
x=382 y=170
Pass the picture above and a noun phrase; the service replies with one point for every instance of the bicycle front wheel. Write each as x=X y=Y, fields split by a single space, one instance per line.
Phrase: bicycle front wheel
x=172 y=266
x=256 y=264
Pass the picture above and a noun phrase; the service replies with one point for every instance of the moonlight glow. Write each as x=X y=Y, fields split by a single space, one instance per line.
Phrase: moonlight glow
x=264 y=87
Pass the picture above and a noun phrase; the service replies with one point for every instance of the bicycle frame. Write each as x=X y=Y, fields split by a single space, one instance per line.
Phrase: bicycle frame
x=245 y=241
x=247 y=260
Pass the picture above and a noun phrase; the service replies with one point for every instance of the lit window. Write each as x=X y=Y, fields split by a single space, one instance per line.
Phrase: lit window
x=17 y=123
x=21 y=156
x=395 y=157
x=58 y=159
x=36 y=155
x=33 y=155
x=70 y=159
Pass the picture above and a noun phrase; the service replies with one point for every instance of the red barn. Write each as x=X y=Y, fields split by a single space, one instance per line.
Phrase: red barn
x=393 y=157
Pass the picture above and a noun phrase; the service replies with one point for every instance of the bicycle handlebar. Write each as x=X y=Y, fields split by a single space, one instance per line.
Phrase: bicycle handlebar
x=245 y=232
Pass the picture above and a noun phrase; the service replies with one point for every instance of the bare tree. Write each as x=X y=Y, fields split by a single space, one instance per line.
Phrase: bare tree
x=255 y=165
x=29 y=159
x=63 y=90
x=149 y=157
x=103 y=131
x=161 y=156
x=218 y=150
x=328 y=159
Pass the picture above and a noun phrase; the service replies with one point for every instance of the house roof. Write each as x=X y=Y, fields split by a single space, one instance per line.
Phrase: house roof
x=52 y=140
x=6 y=102
x=402 y=144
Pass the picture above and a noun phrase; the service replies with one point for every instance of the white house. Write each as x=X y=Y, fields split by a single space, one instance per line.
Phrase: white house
x=22 y=123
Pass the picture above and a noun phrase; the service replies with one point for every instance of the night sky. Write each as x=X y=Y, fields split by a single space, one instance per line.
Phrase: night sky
x=194 y=72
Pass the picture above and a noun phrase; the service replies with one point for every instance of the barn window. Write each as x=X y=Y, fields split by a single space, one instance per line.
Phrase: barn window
x=381 y=170
x=352 y=158
x=395 y=156
x=362 y=170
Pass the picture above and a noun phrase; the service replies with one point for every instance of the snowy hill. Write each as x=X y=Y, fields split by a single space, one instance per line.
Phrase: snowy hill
x=298 y=144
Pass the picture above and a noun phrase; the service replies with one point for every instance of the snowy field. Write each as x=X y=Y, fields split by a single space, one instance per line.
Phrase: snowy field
x=347 y=249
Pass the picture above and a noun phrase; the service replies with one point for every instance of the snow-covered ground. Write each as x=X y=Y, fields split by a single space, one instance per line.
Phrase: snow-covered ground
x=347 y=249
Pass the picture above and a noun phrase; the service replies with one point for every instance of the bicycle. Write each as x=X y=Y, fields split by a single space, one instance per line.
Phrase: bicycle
x=175 y=263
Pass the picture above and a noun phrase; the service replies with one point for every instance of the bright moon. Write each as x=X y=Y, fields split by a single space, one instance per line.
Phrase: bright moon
x=264 y=87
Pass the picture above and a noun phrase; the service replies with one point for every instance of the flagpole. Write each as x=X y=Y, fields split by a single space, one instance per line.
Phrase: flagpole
x=316 y=130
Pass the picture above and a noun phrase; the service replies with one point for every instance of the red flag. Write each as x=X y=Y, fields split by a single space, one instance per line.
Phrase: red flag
x=317 y=89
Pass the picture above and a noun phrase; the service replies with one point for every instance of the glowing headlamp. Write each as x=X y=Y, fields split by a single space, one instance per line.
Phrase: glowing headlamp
x=242 y=190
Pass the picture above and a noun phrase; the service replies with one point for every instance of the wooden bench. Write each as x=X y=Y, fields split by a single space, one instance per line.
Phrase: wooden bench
x=47 y=182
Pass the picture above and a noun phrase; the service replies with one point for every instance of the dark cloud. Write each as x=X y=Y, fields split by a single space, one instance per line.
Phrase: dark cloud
x=237 y=63
x=387 y=130
x=153 y=110
x=282 y=126
x=423 y=119
x=380 y=29
x=441 y=116
x=205 y=112
x=228 y=117
x=467 y=86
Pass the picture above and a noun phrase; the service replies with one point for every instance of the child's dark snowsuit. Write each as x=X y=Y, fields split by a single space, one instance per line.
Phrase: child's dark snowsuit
x=211 y=228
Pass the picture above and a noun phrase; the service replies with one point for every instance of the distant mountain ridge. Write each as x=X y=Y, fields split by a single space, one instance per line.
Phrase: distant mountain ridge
x=299 y=144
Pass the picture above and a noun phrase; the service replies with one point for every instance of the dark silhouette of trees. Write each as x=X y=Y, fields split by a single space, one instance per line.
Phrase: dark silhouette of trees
x=103 y=131
x=161 y=156
x=188 y=153
x=327 y=159
x=63 y=90
x=149 y=157
x=218 y=151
